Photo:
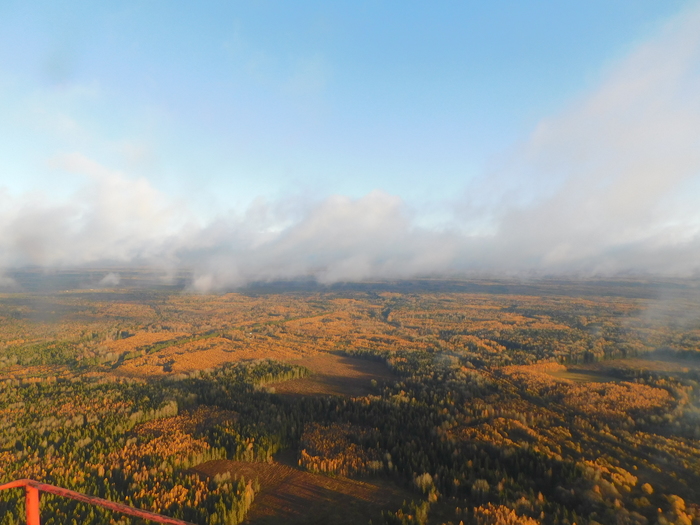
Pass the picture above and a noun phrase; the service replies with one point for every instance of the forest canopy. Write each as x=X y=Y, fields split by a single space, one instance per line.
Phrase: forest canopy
x=474 y=402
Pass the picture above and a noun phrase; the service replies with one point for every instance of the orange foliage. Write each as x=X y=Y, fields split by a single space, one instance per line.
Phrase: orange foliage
x=500 y=515
x=609 y=401
x=331 y=449
x=140 y=340
x=186 y=422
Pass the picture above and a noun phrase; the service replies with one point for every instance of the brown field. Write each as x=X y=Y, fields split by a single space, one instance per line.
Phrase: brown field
x=292 y=496
x=582 y=376
x=672 y=366
x=335 y=374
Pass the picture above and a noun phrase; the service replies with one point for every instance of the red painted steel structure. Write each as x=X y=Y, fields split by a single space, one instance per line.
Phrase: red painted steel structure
x=32 y=489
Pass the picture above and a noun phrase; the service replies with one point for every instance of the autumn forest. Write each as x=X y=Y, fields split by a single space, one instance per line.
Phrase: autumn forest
x=417 y=402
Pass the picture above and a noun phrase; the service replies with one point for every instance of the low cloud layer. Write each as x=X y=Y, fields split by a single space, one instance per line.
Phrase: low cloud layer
x=610 y=185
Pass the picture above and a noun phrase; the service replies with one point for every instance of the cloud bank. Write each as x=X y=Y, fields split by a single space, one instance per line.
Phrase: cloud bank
x=613 y=183
x=610 y=185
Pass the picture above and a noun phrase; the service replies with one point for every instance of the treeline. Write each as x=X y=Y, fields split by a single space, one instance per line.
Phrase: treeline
x=83 y=435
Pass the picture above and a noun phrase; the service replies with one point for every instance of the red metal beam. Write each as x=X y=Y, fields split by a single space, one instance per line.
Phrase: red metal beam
x=31 y=499
x=32 y=489
x=15 y=484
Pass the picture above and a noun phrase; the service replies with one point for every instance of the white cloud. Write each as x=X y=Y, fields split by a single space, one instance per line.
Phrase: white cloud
x=610 y=185
x=8 y=284
x=110 y=280
x=111 y=218
x=339 y=239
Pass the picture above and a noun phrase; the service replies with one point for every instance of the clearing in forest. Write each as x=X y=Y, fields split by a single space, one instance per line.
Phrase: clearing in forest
x=334 y=374
x=292 y=496
x=583 y=376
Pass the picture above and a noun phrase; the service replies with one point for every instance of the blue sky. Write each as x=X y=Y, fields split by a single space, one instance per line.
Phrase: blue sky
x=224 y=109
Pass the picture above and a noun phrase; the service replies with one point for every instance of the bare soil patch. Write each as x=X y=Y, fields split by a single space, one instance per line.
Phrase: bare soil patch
x=583 y=376
x=669 y=365
x=292 y=496
x=334 y=374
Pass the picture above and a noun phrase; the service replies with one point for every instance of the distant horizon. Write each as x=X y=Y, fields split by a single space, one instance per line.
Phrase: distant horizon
x=46 y=280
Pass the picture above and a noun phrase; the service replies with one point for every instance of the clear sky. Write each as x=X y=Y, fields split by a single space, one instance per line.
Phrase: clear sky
x=195 y=133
